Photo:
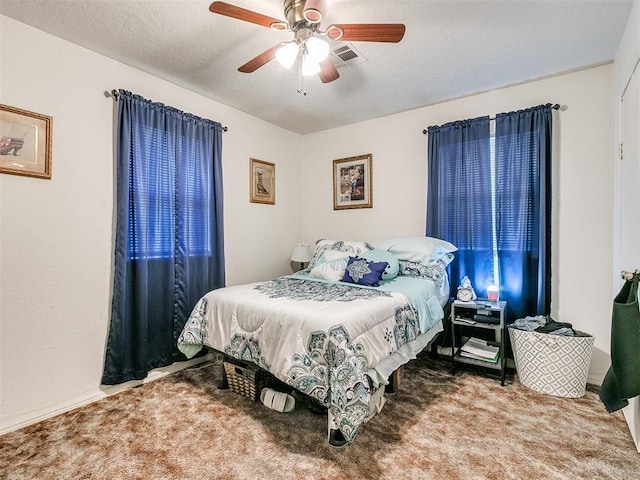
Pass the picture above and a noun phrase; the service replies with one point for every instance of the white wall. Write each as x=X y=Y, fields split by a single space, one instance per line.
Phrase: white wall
x=583 y=186
x=626 y=59
x=56 y=235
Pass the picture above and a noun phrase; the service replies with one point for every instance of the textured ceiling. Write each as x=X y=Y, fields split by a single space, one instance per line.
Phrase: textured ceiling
x=451 y=48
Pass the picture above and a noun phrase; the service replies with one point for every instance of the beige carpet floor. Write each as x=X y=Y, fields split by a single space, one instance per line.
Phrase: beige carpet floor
x=437 y=426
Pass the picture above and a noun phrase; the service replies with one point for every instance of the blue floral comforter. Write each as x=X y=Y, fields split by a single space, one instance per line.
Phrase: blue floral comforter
x=319 y=337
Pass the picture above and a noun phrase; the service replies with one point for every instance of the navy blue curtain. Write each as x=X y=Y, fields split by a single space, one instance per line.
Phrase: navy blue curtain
x=169 y=235
x=459 y=197
x=523 y=204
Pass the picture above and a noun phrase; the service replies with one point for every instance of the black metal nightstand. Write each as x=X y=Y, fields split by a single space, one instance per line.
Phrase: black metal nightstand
x=480 y=314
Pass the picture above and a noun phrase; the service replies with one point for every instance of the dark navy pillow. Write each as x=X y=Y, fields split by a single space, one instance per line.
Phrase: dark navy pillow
x=364 y=273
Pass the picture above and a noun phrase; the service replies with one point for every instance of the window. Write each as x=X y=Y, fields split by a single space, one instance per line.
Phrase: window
x=157 y=197
x=489 y=193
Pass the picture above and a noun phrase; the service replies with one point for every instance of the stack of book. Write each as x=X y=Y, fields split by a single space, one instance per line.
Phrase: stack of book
x=480 y=350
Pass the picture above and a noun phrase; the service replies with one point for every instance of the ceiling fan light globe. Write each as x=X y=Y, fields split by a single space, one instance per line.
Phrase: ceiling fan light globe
x=309 y=67
x=287 y=53
x=317 y=49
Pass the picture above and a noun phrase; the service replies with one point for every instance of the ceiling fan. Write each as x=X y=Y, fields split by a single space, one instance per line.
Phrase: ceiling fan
x=303 y=19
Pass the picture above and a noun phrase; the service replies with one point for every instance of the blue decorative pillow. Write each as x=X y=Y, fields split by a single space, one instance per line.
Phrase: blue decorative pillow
x=364 y=273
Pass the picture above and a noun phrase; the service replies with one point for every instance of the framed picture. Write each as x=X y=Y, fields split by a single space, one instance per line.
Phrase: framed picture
x=25 y=143
x=352 y=183
x=262 y=181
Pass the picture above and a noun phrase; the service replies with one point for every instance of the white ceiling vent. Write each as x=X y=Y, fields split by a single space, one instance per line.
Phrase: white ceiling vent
x=345 y=55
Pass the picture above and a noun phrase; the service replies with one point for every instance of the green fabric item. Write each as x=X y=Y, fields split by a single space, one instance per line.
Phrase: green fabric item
x=623 y=377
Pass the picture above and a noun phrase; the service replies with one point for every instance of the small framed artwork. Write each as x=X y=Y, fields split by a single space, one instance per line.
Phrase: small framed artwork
x=262 y=181
x=352 y=183
x=25 y=143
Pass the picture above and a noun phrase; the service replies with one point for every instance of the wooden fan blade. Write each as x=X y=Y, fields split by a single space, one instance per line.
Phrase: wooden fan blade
x=328 y=71
x=370 y=32
x=255 y=63
x=232 y=11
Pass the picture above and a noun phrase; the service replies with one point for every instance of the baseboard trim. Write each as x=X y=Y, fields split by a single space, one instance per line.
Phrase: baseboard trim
x=106 y=391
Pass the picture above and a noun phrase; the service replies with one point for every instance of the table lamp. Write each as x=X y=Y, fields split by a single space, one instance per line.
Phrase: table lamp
x=493 y=293
x=301 y=254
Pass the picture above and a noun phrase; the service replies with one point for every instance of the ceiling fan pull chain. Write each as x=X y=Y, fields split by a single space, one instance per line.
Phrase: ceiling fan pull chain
x=301 y=88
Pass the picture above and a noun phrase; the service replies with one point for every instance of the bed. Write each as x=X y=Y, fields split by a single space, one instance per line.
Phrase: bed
x=336 y=330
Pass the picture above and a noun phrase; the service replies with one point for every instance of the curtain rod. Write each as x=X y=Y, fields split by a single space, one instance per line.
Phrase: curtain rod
x=114 y=93
x=555 y=106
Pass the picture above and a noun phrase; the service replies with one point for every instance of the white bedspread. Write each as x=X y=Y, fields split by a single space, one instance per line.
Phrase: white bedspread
x=319 y=337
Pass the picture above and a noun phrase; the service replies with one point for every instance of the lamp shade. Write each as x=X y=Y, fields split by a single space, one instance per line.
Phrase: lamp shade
x=309 y=67
x=301 y=253
x=317 y=49
x=287 y=53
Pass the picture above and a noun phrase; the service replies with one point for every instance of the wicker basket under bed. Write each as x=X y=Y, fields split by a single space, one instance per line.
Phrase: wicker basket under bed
x=247 y=381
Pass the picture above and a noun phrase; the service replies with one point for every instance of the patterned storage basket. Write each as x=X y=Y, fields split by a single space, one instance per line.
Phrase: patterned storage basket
x=247 y=381
x=552 y=364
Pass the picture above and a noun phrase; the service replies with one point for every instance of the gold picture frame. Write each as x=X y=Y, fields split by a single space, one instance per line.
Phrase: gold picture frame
x=25 y=143
x=352 y=182
x=262 y=181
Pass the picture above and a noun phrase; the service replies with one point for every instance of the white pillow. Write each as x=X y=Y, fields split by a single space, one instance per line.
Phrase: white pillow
x=332 y=271
x=331 y=255
x=322 y=246
x=416 y=249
